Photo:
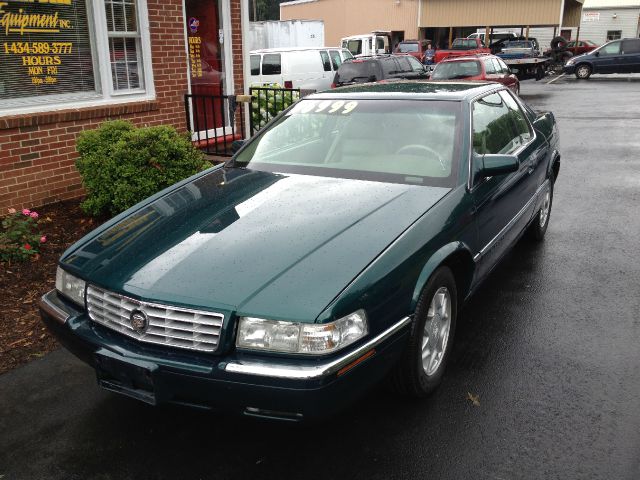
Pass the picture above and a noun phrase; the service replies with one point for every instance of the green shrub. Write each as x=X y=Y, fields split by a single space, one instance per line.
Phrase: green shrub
x=267 y=104
x=122 y=165
x=20 y=236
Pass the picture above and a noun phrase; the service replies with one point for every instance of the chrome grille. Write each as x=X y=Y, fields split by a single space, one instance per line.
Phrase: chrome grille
x=167 y=325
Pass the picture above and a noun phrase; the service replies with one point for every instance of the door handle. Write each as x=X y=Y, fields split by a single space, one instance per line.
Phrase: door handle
x=531 y=167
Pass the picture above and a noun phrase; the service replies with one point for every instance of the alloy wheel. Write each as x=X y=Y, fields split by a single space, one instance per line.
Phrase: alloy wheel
x=436 y=331
x=544 y=210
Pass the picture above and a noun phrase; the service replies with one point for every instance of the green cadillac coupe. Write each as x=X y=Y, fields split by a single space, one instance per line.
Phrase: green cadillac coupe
x=332 y=252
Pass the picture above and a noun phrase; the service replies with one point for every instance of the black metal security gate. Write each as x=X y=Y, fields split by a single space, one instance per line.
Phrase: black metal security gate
x=268 y=102
x=216 y=121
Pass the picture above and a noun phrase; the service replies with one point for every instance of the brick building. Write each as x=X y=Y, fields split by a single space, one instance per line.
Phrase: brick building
x=69 y=65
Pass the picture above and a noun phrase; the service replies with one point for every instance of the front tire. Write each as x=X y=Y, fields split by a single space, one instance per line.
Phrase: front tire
x=540 y=223
x=583 y=72
x=420 y=370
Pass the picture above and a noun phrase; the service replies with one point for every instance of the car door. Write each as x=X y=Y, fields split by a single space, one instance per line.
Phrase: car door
x=631 y=55
x=508 y=79
x=503 y=204
x=609 y=58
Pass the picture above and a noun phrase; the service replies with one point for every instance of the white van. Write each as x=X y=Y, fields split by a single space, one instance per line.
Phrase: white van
x=369 y=44
x=310 y=68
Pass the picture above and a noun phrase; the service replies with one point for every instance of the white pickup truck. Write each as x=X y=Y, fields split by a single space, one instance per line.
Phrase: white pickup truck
x=369 y=44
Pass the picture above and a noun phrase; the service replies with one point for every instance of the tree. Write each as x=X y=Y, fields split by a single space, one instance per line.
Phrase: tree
x=264 y=10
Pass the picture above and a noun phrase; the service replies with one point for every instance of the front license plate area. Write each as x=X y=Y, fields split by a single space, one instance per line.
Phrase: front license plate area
x=127 y=378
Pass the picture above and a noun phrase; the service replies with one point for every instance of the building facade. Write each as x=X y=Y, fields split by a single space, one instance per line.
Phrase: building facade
x=605 y=20
x=69 y=65
x=343 y=18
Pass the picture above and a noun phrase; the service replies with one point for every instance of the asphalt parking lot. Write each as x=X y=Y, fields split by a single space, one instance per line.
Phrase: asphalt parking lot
x=549 y=349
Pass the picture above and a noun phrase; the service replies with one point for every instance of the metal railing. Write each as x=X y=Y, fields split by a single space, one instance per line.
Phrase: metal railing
x=216 y=121
x=268 y=102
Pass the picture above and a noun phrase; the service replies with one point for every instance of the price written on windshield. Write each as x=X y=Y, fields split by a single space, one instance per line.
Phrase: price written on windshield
x=339 y=107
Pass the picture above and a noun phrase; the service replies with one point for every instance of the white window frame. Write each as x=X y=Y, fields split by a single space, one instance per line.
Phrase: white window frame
x=104 y=93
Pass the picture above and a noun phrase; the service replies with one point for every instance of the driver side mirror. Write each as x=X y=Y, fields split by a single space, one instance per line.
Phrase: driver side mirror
x=597 y=54
x=490 y=165
x=237 y=145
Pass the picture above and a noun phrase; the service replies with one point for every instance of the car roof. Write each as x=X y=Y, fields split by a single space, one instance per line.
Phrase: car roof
x=292 y=49
x=410 y=90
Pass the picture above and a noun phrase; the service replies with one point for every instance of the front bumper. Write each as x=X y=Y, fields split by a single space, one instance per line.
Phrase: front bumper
x=249 y=384
x=569 y=69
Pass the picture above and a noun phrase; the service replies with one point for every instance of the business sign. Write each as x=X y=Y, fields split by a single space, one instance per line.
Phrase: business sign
x=590 y=16
x=44 y=48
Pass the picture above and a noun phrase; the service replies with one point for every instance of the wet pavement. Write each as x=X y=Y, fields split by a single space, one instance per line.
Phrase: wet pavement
x=550 y=346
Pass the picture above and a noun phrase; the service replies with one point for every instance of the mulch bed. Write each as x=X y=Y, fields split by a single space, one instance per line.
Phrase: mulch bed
x=22 y=336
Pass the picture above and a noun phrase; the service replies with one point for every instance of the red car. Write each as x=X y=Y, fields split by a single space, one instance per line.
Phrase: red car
x=583 y=46
x=476 y=67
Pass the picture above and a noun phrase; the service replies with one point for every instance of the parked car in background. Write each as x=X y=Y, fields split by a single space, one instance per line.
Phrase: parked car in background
x=369 y=44
x=618 y=56
x=415 y=48
x=333 y=251
x=583 y=46
x=477 y=67
x=310 y=68
x=381 y=67
x=461 y=47
x=493 y=37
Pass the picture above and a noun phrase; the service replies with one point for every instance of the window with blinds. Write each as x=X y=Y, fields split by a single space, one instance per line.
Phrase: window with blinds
x=45 y=49
x=124 y=44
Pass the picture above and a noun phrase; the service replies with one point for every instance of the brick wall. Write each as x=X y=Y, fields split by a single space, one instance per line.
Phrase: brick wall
x=37 y=152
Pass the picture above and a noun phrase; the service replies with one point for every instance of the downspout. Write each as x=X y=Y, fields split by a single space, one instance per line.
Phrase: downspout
x=419 y=19
x=561 y=15
x=246 y=61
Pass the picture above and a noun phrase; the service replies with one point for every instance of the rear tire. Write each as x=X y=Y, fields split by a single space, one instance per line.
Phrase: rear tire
x=583 y=72
x=420 y=370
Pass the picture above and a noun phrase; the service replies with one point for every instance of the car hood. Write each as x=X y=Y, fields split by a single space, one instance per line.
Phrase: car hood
x=258 y=243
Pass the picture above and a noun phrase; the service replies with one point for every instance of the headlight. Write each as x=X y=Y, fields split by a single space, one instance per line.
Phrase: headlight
x=293 y=337
x=571 y=61
x=70 y=286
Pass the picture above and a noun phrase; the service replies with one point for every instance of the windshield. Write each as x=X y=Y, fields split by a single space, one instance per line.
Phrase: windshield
x=453 y=70
x=397 y=141
x=357 y=71
x=407 y=47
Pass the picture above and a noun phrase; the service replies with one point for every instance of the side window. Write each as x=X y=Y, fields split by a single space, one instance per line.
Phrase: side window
x=355 y=46
x=346 y=54
x=255 y=64
x=271 y=64
x=631 y=46
x=326 y=63
x=336 y=61
x=489 y=67
x=389 y=66
x=612 y=48
x=519 y=119
x=415 y=64
x=404 y=65
x=503 y=66
x=493 y=129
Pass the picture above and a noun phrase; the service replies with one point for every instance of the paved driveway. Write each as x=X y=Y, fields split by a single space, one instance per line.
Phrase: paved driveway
x=550 y=345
